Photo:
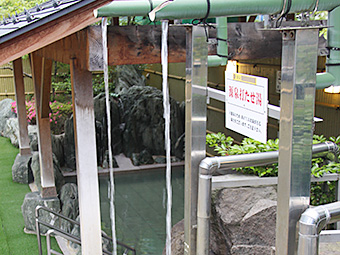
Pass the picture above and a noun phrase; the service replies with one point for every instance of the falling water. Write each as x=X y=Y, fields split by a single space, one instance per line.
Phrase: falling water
x=166 y=106
x=108 y=114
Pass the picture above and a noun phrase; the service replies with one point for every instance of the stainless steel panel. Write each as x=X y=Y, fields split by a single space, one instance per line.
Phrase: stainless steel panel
x=195 y=127
x=299 y=63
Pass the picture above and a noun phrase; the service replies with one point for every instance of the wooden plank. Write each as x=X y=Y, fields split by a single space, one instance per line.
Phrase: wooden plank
x=86 y=159
x=50 y=32
x=46 y=88
x=44 y=133
x=24 y=141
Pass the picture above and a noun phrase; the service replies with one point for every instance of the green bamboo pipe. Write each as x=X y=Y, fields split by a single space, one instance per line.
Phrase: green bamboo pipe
x=333 y=36
x=191 y=9
x=222 y=45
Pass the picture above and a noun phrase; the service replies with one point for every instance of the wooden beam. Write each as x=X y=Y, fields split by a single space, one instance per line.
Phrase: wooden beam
x=48 y=188
x=86 y=159
x=50 y=32
x=45 y=88
x=24 y=141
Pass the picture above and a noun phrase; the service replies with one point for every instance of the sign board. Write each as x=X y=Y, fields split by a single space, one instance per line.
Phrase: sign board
x=247 y=105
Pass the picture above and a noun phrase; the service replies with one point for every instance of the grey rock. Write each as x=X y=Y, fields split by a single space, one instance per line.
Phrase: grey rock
x=69 y=204
x=11 y=131
x=128 y=76
x=251 y=250
x=58 y=148
x=34 y=144
x=69 y=144
x=21 y=172
x=35 y=166
x=142 y=158
x=31 y=201
x=144 y=122
x=5 y=113
x=245 y=217
x=101 y=126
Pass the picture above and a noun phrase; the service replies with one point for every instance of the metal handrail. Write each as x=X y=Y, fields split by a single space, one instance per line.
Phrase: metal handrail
x=66 y=235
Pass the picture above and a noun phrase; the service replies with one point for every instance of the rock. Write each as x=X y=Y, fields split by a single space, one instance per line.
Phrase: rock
x=106 y=161
x=144 y=122
x=34 y=144
x=11 y=131
x=31 y=201
x=58 y=148
x=243 y=222
x=21 y=172
x=35 y=166
x=69 y=144
x=143 y=158
x=128 y=76
x=101 y=126
x=251 y=250
x=5 y=113
x=245 y=217
x=69 y=204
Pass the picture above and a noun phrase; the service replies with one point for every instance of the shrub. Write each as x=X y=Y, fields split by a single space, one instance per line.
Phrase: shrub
x=321 y=192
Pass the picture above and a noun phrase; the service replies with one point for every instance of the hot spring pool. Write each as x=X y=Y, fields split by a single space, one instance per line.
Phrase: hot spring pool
x=140 y=206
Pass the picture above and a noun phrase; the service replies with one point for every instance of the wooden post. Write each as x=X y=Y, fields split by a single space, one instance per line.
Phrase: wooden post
x=41 y=71
x=86 y=158
x=21 y=107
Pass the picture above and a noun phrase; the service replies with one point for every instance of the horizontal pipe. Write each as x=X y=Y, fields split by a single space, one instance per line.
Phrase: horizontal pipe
x=324 y=80
x=214 y=60
x=208 y=167
x=191 y=9
x=312 y=221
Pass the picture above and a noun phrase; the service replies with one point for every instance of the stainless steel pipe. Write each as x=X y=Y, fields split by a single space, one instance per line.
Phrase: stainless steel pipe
x=312 y=221
x=208 y=167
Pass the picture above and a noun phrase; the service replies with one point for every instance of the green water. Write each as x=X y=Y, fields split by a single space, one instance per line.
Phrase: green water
x=140 y=206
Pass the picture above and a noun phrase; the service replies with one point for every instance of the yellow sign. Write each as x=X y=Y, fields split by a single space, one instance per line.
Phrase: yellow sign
x=244 y=78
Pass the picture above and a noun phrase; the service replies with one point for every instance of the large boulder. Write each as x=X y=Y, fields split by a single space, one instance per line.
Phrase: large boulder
x=58 y=148
x=69 y=205
x=5 y=113
x=69 y=145
x=35 y=166
x=101 y=126
x=31 y=201
x=243 y=222
x=144 y=123
x=11 y=131
x=21 y=171
x=128 y=76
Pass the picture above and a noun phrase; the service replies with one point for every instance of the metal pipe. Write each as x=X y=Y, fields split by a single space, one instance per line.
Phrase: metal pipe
x=208 y=167
x=191 y=9
x=324 y=80
x=333 y=36
x=312 y=221
x=221 y=58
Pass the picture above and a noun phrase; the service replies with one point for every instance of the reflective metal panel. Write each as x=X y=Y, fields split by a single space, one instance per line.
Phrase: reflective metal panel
x=299 y=63
x=195 y=127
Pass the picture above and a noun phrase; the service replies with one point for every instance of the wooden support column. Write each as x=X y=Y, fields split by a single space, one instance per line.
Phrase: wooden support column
x=86 y=156
x=41 y=70
x=19 y=85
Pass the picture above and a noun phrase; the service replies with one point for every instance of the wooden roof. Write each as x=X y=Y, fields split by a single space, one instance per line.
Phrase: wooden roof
x=39 y=27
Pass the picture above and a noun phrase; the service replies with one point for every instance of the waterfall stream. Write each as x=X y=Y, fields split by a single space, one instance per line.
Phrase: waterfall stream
x=166 y=106
x=108 y=114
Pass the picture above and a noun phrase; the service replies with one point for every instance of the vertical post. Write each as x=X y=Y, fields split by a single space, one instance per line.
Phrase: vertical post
x=195 y=127
x=19 y=85
x=87 y=176
x=299 y=63
x=41 y=70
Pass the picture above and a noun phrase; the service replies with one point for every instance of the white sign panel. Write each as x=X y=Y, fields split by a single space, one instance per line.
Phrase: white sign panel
x=247 y=105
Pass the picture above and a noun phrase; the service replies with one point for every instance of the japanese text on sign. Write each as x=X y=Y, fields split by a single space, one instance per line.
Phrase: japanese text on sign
x=246 y=105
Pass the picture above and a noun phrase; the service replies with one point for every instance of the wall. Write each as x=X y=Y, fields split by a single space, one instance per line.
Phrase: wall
x=7 y=82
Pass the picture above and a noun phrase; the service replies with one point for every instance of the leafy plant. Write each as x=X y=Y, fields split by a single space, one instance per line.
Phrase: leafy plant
x=321 y=192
